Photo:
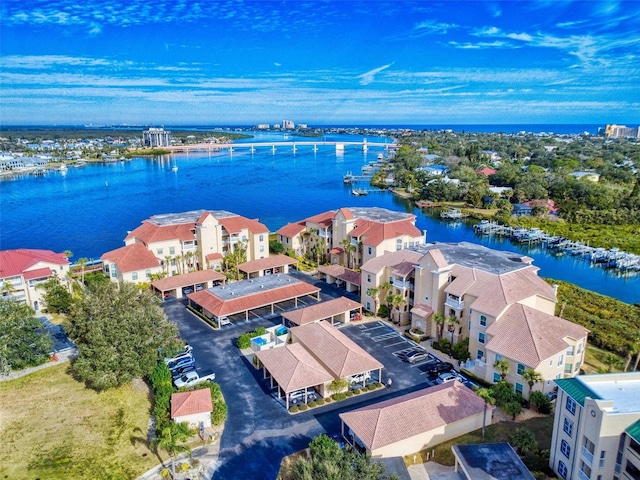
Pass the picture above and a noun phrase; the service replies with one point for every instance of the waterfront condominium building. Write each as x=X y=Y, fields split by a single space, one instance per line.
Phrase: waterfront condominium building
x=156 y=137
x=195 y=240
x=351 y=236
x=22 y=270
x=621 y=131
x=596 y=428
x=492 y=298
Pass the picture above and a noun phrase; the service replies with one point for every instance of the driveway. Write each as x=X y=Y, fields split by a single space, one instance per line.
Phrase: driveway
x=259 y=432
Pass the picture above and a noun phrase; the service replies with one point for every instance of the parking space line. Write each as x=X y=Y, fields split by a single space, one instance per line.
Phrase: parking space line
x=392 y=344
x=374 y=328
x=384 y=336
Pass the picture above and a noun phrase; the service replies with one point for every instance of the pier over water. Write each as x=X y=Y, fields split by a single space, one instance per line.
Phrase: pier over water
x=273 y=146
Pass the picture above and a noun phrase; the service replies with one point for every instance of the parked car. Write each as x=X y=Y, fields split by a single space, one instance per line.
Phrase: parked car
x=298 y=395
x=191 y=367
x=414 y=355
x=199 y=288
x=446 y=377
x=363 y=377
x=222 y=321
x=181 y=362
x=179 y=356
x=440 y=367
x=192 y=378
x=187 y=290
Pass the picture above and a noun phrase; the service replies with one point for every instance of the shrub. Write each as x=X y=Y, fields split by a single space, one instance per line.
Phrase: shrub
x=244 y=341
x=383 y=311
x=338 y=396
x=320 y=401
x=349 y=394
x=377 y=385
x=313 y=404
x=219 y=413
x=357 y=391
x=303 y=407
x=328 y=399
x=540 y=401
x=293 y=409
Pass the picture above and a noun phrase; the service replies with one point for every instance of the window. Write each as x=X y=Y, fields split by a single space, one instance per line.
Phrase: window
x=551 y=362
x=560 y=359
x=481 y=338
x=562 y=469
x=469 y=325
x=520 y=369
x=172 y=250
x=579 y=348
x=261 y=238
x=159 y=251
x=483 y=321
x=148 y=273
x=368 y=306
x=369 y=250
x=519 y=388
x=498 y=357
x=496 y=377
x=568 y=368
x=565 y=448
x=571 y=405
x=244 y=238
x=570 y=350
x=479 y=355
x=368 y=278
x=134 y=276
x=568 y=426
x=261 y=248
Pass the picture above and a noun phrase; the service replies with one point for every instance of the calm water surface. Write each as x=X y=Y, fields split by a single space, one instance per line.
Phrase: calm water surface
x=90 y=210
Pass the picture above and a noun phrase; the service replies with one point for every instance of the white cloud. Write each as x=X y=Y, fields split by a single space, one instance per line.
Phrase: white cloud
x=369 y=77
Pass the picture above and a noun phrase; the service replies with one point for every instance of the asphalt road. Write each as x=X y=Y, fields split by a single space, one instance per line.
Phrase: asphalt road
x=259 y=432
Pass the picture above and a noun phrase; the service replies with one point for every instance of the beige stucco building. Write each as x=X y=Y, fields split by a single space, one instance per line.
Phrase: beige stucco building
x=193 y=408
x=596 y=428
x=22 y=270
x=352 y=236
x=493 y=298
x=199 y=239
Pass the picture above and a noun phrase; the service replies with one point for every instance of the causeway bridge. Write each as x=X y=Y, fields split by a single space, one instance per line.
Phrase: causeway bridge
x=273 y=146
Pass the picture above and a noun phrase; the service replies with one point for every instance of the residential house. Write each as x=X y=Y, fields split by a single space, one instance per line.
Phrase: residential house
x=23 y=270
x=493 y=298
x=351 y=236
x=199 y=239
x=596 y=427
x=415 y=421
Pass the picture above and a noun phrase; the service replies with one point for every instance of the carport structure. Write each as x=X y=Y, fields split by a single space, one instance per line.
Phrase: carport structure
x=338 y=309
x=246 y=295
x=292 y=368
x=174 y=285
x=267 y=266
x=338 y=274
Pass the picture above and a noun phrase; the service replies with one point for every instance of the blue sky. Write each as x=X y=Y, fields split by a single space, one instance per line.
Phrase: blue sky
x=212 y=62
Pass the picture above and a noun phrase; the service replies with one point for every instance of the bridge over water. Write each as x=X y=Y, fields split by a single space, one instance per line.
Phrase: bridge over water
x=273 y=146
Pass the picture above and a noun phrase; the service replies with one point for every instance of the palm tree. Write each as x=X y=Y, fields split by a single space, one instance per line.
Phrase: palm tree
x=396 y=301
x=502 y=366
x=632 y=349
x=82 y=262
x=384 y=290
x=512 y=408
x=171 y=439
x=438 y=319
x=524 y=441
x=373 y=292
x=611 y=361
x=532 y=377
x=452 y=321
x=167 y=263
x=485 y=394
x=68 y=254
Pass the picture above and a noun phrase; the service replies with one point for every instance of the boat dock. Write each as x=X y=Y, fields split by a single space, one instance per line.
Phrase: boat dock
x=609 y=258
x=453 y=214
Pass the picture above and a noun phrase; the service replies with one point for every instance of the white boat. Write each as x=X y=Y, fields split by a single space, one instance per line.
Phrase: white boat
x=174 y=168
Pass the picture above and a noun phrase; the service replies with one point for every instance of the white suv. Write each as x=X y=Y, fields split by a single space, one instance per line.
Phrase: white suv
x=361 y=378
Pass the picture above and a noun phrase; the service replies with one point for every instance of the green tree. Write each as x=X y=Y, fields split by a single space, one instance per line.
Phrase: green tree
x=531 y=377
x=523 y=441
x=485 y=394
x=276 y=247
x=384 y=290
x=452 y=321
x=439 y=320
x=512 y=408
x=24 y=342
x=234 y=258
x=373 y=292
x=118 y=330
x=82 y=262
x=502 y=366
x=56 y=296
x=171 y=439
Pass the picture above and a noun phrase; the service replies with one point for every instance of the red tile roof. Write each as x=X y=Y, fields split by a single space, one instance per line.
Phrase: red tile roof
x=293 y=367
x=290 y=230
x=530 y=336
x=337 y=352
x=400 y=418
x=219 y=307
x=237 y=224
x=213 y=256
x=374 y=233
x=324 y=219
x=15 y=262
x=38 y=273
x=265 y=263
x=132 y=258
x=486 y=171
x=391 y=259
x=346 y=213
x=191 y=403
x=425 y=311
x=341 y=272
x=149 y=232
x=322 y=310
x=187 y=279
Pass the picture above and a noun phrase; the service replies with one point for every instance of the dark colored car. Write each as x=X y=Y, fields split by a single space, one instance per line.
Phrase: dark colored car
x=413 y=356
x=440 y=367
x=338 y=439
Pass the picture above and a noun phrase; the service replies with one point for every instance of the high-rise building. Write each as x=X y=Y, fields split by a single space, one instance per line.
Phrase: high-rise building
x=156 y=137
x=596 y=429
x=288 y=125
x=621 y=131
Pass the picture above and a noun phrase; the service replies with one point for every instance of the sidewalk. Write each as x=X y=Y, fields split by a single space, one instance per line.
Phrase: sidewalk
x=62 y=357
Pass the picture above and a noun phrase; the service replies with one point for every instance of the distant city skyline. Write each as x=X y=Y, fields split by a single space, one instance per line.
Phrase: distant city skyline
x=319 y=62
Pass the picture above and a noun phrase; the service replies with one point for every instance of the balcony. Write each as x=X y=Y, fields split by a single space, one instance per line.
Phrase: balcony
x=324 y=234
x=402 y=284
x=189 y=247
x=583 y=476
x=354 y=242
x=587 y=456
x=454 y=302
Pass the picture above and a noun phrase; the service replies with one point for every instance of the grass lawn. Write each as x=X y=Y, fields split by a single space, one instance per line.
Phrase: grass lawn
x=594 y=361
x=540 y=426
x=52 y=427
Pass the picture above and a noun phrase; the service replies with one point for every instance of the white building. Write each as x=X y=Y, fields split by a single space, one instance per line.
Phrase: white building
x=156 y=137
